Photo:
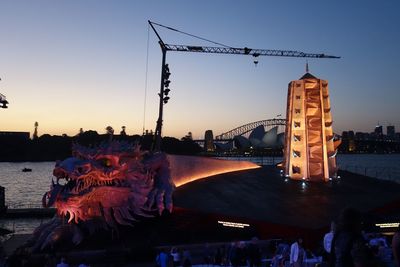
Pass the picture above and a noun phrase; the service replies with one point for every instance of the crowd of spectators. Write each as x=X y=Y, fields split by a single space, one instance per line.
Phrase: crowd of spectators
x=345 y=245
x=237 y=253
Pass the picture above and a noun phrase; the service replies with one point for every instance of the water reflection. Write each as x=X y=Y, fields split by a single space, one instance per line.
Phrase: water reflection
x=25 y=189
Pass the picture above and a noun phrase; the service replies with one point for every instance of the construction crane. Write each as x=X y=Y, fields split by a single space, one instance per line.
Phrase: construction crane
x=221 y=49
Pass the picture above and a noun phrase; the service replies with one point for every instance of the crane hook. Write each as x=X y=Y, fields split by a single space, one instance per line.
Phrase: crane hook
x=255 y=60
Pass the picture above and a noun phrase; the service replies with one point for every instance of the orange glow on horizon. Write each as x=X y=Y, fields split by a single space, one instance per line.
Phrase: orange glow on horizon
x=186 y=169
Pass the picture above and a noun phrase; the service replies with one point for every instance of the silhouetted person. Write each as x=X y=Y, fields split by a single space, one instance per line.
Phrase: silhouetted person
x=162 y=259
x=328 y=237
x=62 y=263
x=207 y=255
x=396 y=247
x=176 y=256
x=348 y=245
x=297 y=253
x=187 y=258
x=218 y=258
x=254 y=253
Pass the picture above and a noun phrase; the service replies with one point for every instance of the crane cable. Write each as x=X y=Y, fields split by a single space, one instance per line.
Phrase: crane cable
x=192 y=35
x=145 y=82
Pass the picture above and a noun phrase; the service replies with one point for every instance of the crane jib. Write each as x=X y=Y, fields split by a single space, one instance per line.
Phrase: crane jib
x=243 y=51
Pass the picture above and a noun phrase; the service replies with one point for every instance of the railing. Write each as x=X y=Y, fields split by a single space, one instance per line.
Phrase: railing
x=24 y=206
x=384 y=173
x=262 y=161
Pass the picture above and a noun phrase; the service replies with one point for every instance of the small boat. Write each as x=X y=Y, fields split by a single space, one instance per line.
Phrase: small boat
x=26 y=170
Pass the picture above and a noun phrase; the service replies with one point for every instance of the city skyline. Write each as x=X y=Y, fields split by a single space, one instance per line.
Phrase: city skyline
x=72 y=64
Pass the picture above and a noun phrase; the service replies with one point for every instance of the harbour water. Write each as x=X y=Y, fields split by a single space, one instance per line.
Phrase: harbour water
x=25 y=189
x=381 y=166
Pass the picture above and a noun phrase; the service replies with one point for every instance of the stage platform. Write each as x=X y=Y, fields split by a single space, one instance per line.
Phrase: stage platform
x=263 y=195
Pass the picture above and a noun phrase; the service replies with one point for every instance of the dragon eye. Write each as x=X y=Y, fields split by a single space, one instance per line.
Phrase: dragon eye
x=107 y=162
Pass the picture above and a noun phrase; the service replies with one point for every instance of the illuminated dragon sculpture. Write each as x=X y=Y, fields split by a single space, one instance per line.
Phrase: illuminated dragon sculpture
x=116 y=184
x=103 y=187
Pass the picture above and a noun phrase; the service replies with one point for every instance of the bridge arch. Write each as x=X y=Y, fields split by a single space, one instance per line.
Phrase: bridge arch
x=247 y=128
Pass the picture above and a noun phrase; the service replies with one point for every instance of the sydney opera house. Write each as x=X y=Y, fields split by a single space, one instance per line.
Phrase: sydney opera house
x=259 y=138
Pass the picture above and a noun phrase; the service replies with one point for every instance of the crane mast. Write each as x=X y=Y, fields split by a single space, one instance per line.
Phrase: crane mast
x=222 y=49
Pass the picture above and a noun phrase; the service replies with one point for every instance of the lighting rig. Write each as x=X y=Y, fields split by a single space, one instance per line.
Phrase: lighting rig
x=3 y=101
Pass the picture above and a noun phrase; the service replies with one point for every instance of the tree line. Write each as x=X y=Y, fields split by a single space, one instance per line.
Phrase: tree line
x=54 y=147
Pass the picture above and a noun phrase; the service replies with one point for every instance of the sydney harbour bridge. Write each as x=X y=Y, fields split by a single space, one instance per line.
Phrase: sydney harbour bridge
x=246 y=129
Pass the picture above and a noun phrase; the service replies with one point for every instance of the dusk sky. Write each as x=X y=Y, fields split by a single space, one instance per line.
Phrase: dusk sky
x=82 y=64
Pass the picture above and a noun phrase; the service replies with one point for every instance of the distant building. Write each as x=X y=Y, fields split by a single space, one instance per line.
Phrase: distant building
x=310 y=147
x=345 y=135
x=360 y=136
x=378 y=131
x=209 y=141
x=397 y=136
x=390 y=132
x=23 y=136
x=351 y=135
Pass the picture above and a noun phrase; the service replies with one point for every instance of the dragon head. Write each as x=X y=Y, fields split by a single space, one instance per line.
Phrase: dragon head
x=112 y=182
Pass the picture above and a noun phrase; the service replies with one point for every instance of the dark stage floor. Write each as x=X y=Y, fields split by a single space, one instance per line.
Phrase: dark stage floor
x=263 y=195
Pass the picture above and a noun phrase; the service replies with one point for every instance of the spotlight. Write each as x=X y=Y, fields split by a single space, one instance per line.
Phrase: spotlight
x=166 y=68
x=3 y=101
